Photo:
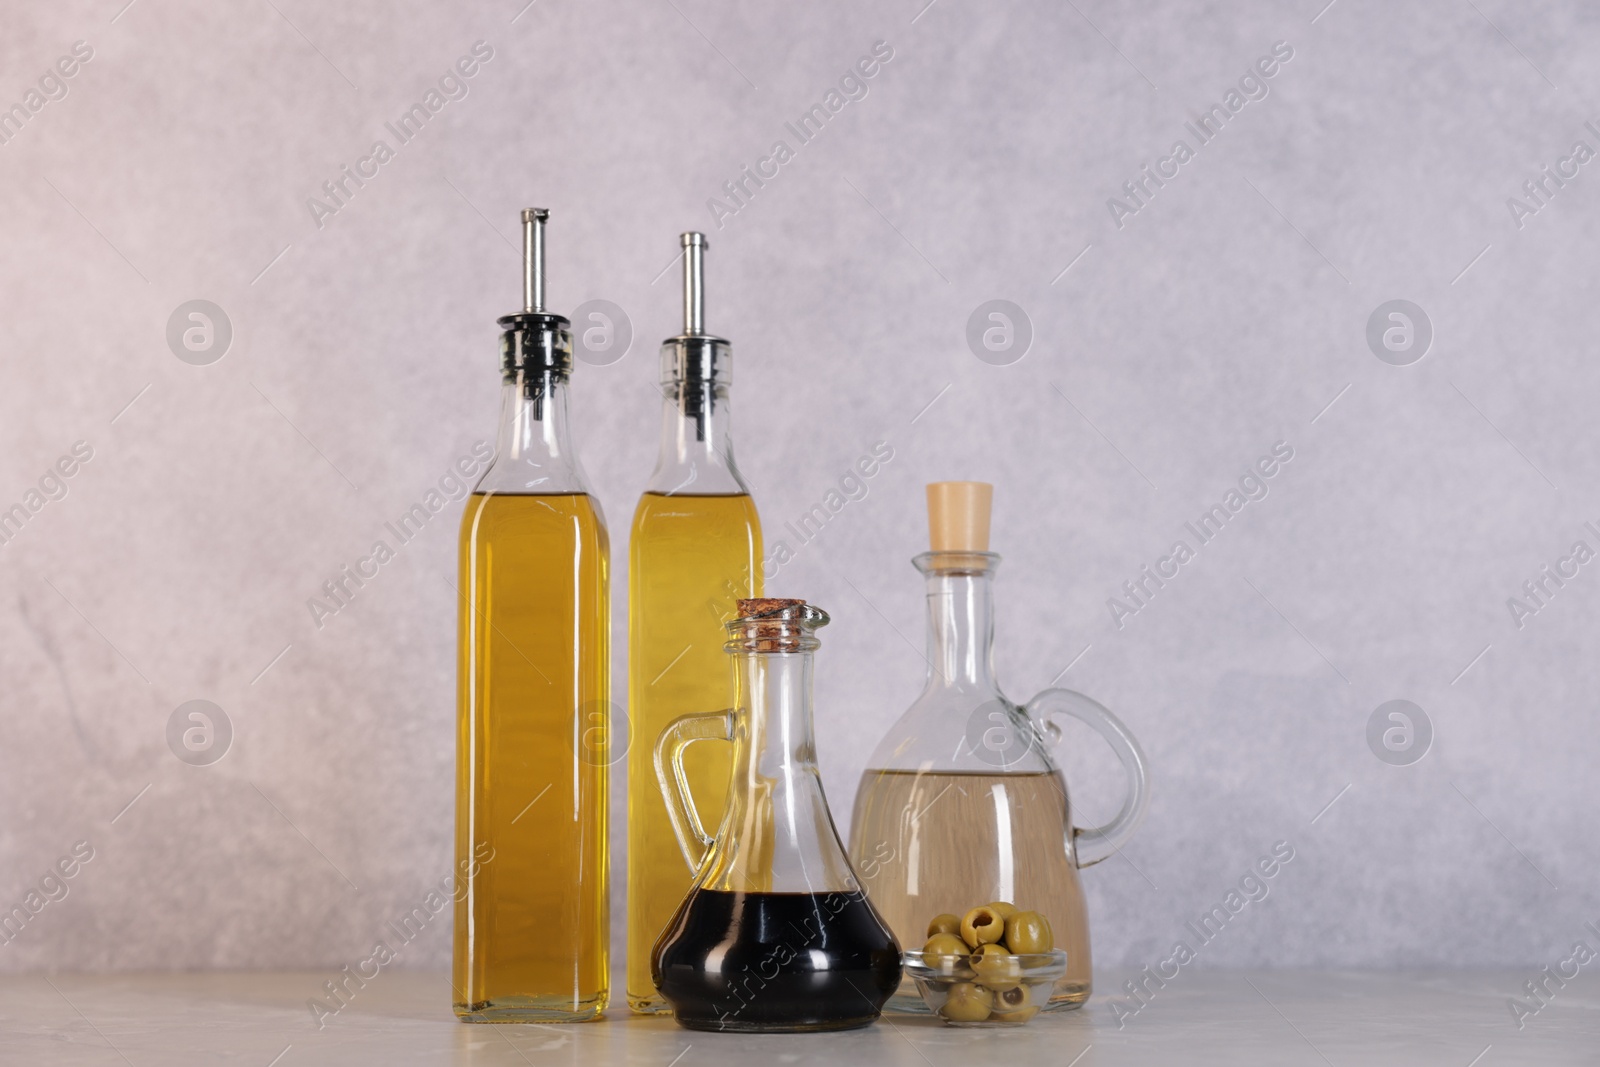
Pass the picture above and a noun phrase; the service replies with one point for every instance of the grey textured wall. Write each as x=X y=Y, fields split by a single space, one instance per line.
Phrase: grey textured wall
x=1175 y=340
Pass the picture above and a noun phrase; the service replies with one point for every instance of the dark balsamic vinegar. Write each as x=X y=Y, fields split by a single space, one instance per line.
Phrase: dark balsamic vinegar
x=776 y=961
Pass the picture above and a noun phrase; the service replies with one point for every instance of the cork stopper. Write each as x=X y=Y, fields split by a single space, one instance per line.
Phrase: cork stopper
x=958 y=516
x=764 y=606
x=775 y=624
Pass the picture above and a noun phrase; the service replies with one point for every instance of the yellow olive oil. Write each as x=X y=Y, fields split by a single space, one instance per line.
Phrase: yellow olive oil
x=690 y=559
x=531 y=915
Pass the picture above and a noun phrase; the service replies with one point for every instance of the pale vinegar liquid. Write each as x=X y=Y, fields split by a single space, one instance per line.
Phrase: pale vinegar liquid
x=532 y=925
x=928 y=843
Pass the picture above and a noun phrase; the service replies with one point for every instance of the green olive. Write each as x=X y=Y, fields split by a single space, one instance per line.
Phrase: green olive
x=967 y=1003
x=945 y=924
x=1019 y=996
x=1028 y=932
x=1003 y=908
x=1014 y=1005
x=944 y=951
x=981 y=926
x=996 y=968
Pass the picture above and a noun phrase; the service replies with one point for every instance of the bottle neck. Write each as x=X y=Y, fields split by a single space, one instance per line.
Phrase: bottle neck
x=776 y=689
x=696 y=454
x=777 y=833
x=960 y=624
x=534 y=451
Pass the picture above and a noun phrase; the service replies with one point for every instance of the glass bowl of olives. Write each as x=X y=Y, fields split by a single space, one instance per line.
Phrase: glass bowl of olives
x=993 y=966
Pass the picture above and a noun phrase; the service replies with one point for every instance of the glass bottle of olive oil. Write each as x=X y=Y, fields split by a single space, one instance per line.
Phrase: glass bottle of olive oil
x=695 y=552
x=531 y=915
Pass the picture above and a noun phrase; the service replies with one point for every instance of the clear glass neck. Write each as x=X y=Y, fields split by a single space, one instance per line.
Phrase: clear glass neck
x=777 y=835
x=534 y=450
x=960 y=619
x=696 y=454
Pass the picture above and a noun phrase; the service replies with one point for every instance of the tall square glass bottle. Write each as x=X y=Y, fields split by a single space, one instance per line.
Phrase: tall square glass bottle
x=533 y=680
x=695 y=551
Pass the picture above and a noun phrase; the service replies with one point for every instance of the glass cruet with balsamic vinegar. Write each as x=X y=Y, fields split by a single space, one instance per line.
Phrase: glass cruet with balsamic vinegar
x=962 y=802
x=776 y=934
x=531 y=917
x=695 y=550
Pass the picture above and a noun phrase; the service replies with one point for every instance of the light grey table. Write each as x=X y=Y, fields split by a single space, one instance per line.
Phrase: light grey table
x=402 y=1018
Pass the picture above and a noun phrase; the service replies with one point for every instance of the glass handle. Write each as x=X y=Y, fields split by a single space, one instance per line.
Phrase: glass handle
x=679 y=734
x=1096 y=843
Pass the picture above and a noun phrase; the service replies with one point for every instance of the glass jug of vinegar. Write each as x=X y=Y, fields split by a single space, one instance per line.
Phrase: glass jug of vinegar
x=961 y=803
x=776 y=933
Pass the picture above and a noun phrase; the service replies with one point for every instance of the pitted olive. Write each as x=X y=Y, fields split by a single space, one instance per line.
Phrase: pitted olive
x=981 y=926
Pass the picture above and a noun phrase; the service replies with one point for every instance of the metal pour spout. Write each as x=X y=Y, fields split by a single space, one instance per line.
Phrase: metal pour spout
x=695 y=363
x=533 y=220
x=694 y=284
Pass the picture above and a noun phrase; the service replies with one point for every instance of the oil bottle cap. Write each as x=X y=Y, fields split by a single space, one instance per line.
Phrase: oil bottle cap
x=769 y=607
x=775 y=624
x=958 y=516
x=535 y=340
x=695 y=355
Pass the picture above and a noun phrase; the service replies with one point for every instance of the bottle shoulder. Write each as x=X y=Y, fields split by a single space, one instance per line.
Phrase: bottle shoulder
x=497 y=514
x=534 y=476
x=709 y=474
x=684 y=512
x=956 y=730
